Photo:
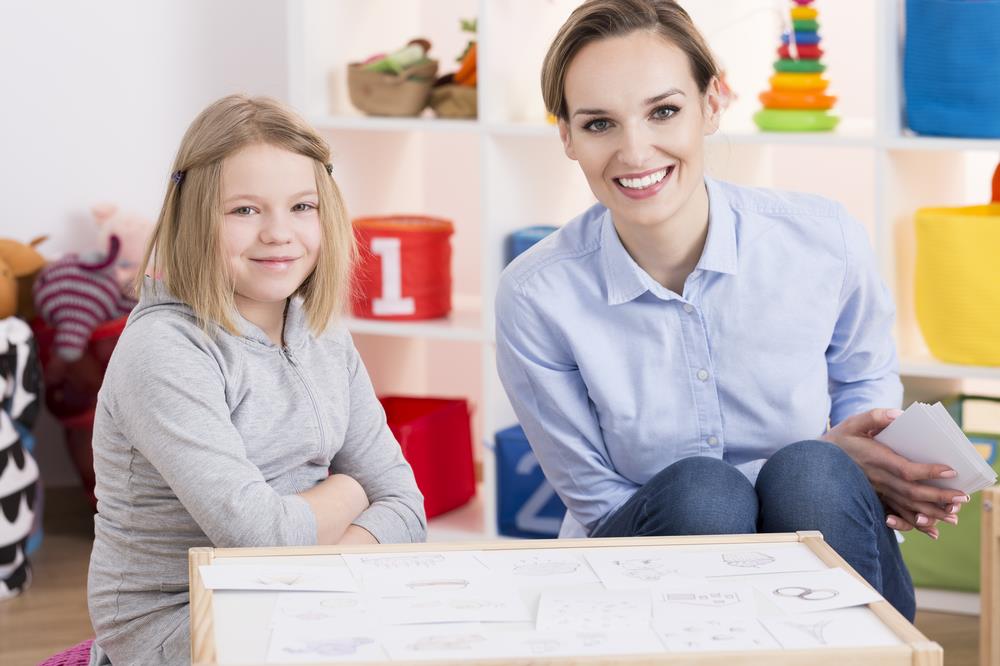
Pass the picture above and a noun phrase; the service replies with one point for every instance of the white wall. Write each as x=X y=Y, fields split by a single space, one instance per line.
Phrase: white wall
x=94 y=98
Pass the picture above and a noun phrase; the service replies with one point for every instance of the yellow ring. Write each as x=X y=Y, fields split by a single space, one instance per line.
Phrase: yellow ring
x=794 y=81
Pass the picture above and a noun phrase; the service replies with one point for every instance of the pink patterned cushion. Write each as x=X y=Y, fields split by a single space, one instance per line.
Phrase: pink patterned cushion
x=78 y=655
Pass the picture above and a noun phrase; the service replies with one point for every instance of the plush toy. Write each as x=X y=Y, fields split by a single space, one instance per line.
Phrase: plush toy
x=133 y=232
x=75 y=294
x=19 y=267
x=19 y=386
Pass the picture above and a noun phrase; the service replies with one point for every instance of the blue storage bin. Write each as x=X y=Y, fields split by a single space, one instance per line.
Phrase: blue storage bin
x=527 y=505
x=951 y=67
x=522 y=239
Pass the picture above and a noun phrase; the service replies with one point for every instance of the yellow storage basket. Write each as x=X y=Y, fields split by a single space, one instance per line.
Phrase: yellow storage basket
x=958 y=282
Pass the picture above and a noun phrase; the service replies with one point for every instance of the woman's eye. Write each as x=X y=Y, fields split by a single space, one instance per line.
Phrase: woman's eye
x=598 y=125
x=664 y=112
x=302 y=207
x=244 y=211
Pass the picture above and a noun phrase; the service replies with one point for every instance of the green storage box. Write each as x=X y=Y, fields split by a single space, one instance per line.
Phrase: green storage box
x=952 y=562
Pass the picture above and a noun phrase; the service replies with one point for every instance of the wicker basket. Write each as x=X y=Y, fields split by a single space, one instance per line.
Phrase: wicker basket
x=454 y=101
x=382 y=94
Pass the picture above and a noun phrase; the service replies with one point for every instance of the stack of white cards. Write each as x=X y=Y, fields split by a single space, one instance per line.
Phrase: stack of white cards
x=927 y=434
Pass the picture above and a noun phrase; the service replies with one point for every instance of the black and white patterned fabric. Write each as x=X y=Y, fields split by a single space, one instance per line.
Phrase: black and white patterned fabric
x=20 y=384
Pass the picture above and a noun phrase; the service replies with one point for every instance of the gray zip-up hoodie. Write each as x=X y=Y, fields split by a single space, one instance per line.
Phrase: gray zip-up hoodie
x=204 y=441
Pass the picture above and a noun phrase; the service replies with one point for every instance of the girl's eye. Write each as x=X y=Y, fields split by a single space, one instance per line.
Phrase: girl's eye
x=244 y=211
x=597 y=125
x=303 y=207
x=664 y=112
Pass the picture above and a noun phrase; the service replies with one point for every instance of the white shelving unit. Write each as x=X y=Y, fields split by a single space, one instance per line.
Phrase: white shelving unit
x=507 y=170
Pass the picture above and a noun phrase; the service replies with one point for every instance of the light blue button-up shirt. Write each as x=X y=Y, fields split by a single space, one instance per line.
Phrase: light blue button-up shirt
x=783 y=326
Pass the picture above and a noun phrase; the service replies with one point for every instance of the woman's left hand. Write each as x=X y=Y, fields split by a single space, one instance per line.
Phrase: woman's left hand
x=896 y=480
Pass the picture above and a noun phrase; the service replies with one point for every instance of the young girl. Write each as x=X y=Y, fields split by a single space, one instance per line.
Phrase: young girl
x=676 y=353
x=230 y=392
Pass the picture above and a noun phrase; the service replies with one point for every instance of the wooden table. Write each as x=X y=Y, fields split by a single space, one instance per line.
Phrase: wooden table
x=914 y=648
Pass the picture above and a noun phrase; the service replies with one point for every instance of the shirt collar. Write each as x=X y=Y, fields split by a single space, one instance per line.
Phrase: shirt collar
x=626 y=281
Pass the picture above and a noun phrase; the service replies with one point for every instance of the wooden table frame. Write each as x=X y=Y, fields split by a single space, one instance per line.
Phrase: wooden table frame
x=916 y=649
x=989 y=579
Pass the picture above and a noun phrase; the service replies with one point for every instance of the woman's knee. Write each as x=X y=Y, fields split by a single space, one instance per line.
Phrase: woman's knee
x=701 y=495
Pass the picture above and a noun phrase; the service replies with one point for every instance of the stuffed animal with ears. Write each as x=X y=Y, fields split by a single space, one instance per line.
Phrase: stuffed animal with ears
x=20 y=265
x=19 y=387
x=133 y=232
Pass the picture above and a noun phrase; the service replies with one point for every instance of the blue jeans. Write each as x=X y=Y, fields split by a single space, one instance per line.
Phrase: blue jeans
x=809 y=485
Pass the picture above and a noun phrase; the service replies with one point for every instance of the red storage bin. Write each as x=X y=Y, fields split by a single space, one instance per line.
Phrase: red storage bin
x=404 y=271
x=436 y=437
x=73 y=400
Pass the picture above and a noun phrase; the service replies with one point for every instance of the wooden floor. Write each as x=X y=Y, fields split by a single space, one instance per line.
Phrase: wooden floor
x=52 y=614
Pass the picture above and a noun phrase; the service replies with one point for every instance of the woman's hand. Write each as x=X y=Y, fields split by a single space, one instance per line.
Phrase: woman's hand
x=896 y=480
x=336 y=502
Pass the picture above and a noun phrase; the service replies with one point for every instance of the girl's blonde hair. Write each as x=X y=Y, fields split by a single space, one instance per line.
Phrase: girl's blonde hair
x=185 y=250
x=599 y=19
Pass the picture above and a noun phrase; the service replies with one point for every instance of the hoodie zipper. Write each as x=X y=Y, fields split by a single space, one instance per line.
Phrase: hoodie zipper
x=287 y=353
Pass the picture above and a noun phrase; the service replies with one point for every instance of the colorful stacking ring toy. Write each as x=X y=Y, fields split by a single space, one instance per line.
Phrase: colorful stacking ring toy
x=804 y=13
x=805 y=38
x=781 y=120
x=796 y=99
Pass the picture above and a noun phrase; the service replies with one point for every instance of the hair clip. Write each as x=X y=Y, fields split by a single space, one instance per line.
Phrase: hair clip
x=177 y=177
x=329 y=168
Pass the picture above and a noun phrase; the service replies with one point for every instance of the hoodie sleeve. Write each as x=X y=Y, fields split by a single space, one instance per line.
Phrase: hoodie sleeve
x=166 y=393
x=372 y=456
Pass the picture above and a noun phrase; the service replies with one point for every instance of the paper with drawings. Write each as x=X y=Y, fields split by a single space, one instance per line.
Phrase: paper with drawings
x=566 y=644
x=539 y=567
x=628 y=568
x=440 y=642
x=812 y=591
x=290 y=644
x=406 y=574
x=324 y=610
x=847 y=627
x=497 y=605
x=567 y=609
x=748 y=560
x=721 y=634
x=709 y=600
x=268 y=577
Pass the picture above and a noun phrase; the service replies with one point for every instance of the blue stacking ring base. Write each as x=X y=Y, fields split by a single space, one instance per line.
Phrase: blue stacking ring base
x=951 y=68
x=801 y=37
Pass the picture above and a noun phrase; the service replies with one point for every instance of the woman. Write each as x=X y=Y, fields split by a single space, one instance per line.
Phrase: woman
x=676 y=353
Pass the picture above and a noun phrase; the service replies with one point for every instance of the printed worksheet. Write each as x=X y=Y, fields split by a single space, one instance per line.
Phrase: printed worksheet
x=722 y=634
x=568 y=609
x=324 y=610
x=748 y=560
x=706 y=600
x=496 y=605
x=290 y=644
x=406 y=574
x=812 y=591
x=540 y=567
x=442 y=641
x=267 y=577
x=580 y=643
x=847 y=627
x=640 y=568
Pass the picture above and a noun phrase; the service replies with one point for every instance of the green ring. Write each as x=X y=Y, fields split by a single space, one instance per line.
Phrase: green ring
x=805 y=25
x=799 y=66
x=782 y=120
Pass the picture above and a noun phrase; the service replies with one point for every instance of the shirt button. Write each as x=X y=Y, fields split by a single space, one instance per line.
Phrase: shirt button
x=703 y=375
x=713 y=440
x=688 y=308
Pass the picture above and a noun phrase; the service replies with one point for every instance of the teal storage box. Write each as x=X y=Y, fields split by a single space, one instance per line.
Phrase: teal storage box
x=952 y=562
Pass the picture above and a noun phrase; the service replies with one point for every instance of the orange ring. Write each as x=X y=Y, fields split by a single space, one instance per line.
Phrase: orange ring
x=796 y=99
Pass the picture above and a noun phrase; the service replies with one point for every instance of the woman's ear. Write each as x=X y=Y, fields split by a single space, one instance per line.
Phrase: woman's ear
x=711 y=103
x=567 y=139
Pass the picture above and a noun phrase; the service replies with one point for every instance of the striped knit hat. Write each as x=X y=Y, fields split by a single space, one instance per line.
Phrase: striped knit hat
x=75 y=296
